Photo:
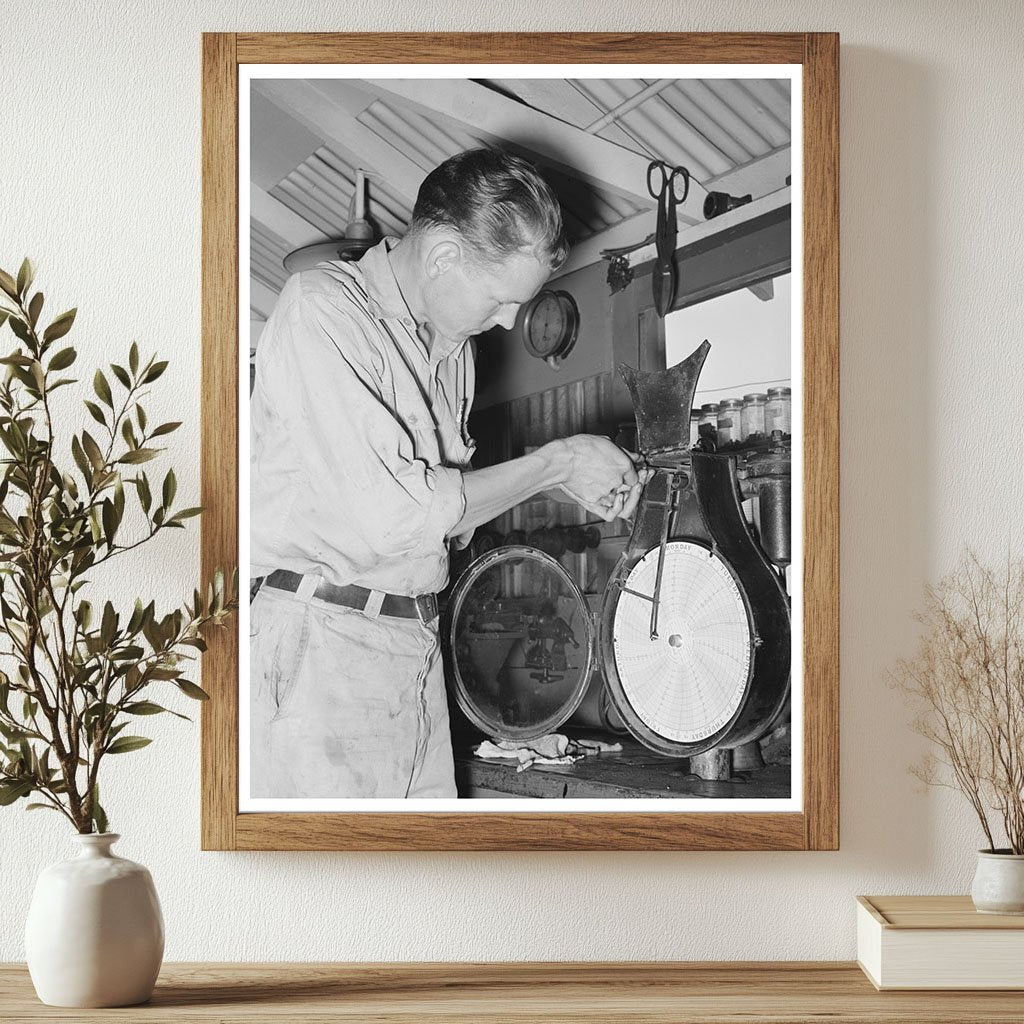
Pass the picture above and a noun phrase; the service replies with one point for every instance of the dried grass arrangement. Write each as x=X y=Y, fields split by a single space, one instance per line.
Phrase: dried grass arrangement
x=967 y=680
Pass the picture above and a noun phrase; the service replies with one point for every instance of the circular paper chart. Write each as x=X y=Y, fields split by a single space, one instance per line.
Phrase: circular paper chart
x=688 y=683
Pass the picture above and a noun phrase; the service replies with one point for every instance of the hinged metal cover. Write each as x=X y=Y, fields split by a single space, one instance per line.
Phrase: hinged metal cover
x=662 y=400
x=520 y=640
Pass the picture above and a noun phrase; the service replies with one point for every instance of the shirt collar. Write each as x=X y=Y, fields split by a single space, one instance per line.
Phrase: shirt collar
x=386 y=301
x=381 y=286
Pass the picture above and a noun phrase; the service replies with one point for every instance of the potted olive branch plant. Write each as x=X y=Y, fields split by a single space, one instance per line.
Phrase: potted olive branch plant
x=75 y=674
x=967 y=682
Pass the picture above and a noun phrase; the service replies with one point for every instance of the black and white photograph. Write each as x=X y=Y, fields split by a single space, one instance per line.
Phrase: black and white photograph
x=520 y=451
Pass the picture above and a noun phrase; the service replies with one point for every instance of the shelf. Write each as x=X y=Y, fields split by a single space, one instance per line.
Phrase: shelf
x=795 y=993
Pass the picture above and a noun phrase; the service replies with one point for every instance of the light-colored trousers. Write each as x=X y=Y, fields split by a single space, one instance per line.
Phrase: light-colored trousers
x=345 y=705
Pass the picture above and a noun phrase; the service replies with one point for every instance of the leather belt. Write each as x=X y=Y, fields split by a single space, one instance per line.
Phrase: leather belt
x=423 y=607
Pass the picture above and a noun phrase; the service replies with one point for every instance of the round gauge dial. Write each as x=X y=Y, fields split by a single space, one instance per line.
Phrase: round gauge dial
x=548 y=324
x=687 y=685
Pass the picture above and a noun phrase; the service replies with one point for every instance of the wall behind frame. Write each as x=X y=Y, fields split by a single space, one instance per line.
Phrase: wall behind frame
x=101 y=184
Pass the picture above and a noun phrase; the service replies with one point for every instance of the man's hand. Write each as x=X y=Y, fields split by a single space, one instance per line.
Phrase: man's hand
x=591 y=471
x=599 y=476
x=621 y=503
x=609 y=506
x=644 y=474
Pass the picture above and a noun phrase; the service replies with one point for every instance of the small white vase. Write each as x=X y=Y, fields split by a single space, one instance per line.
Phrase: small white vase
x=95 y=933
x=999 y=882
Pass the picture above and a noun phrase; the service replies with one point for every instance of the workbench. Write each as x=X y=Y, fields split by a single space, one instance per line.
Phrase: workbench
x=640 y=993
x=634 y=772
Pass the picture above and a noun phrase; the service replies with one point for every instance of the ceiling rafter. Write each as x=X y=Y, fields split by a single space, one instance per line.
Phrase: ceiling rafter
x=315 y=105
x=473 y=107
x=284 y=222
x=758 y=177
x=635 y=229
x=673 y=139
x=565 y=96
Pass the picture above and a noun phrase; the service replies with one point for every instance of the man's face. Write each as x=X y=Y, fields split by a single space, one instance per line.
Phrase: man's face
x=469 y=297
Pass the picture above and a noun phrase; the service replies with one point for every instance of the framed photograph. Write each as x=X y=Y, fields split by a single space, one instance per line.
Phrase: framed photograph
x=520 y=416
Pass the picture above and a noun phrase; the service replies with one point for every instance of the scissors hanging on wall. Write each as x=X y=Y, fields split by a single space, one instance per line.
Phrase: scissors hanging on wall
x=664 y=184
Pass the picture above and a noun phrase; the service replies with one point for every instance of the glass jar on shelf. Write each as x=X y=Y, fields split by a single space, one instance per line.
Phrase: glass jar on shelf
x=753 y=415
x=729 y=414
x=694 y=426
x=779 y=410
x=708 y=425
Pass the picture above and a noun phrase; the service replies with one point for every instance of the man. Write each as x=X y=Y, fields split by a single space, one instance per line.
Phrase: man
x=360 y=476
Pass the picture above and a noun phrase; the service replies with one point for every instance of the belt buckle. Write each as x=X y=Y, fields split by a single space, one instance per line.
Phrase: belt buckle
x=426 y=608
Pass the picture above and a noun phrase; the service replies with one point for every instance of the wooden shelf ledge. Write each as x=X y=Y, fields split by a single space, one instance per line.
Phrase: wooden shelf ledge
x=533 y=993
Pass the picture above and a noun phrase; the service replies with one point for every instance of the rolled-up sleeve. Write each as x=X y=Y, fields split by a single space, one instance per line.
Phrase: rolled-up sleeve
x=447 y=506
x=363 y=492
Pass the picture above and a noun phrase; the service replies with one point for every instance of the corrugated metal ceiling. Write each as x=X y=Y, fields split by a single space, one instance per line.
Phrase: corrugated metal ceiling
x=711 y=126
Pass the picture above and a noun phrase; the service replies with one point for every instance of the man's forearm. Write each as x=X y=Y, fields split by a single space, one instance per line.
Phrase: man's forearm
x=495 y=489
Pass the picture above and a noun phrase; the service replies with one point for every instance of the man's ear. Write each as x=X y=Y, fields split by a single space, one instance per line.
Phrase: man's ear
x=442 y=257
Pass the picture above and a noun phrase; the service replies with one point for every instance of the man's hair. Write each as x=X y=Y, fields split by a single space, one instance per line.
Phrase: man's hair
x=498 y=202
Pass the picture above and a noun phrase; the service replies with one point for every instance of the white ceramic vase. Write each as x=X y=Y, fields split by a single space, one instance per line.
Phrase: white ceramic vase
x=999 y=882
x=95 y=933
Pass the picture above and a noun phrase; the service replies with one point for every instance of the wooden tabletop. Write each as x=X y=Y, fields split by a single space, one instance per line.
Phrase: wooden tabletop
x=561 y=993
x=633 y=772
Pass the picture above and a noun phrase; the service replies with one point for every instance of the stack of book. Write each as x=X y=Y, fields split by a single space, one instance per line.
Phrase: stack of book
x=938 y=942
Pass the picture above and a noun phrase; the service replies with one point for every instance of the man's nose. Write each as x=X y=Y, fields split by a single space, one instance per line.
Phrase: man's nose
x=507 y=317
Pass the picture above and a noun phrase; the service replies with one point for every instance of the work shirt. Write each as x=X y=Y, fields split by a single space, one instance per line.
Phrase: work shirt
x=358 y=433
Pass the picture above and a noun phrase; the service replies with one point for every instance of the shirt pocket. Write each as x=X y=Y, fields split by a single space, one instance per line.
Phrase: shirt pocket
x=466 y=439
x=458 y=453
x=457 y=446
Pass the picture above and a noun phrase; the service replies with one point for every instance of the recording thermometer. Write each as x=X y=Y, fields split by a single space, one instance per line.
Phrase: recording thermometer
x=695 y=625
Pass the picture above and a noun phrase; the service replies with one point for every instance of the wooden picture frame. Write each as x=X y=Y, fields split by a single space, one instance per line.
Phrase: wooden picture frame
x=816 y=826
